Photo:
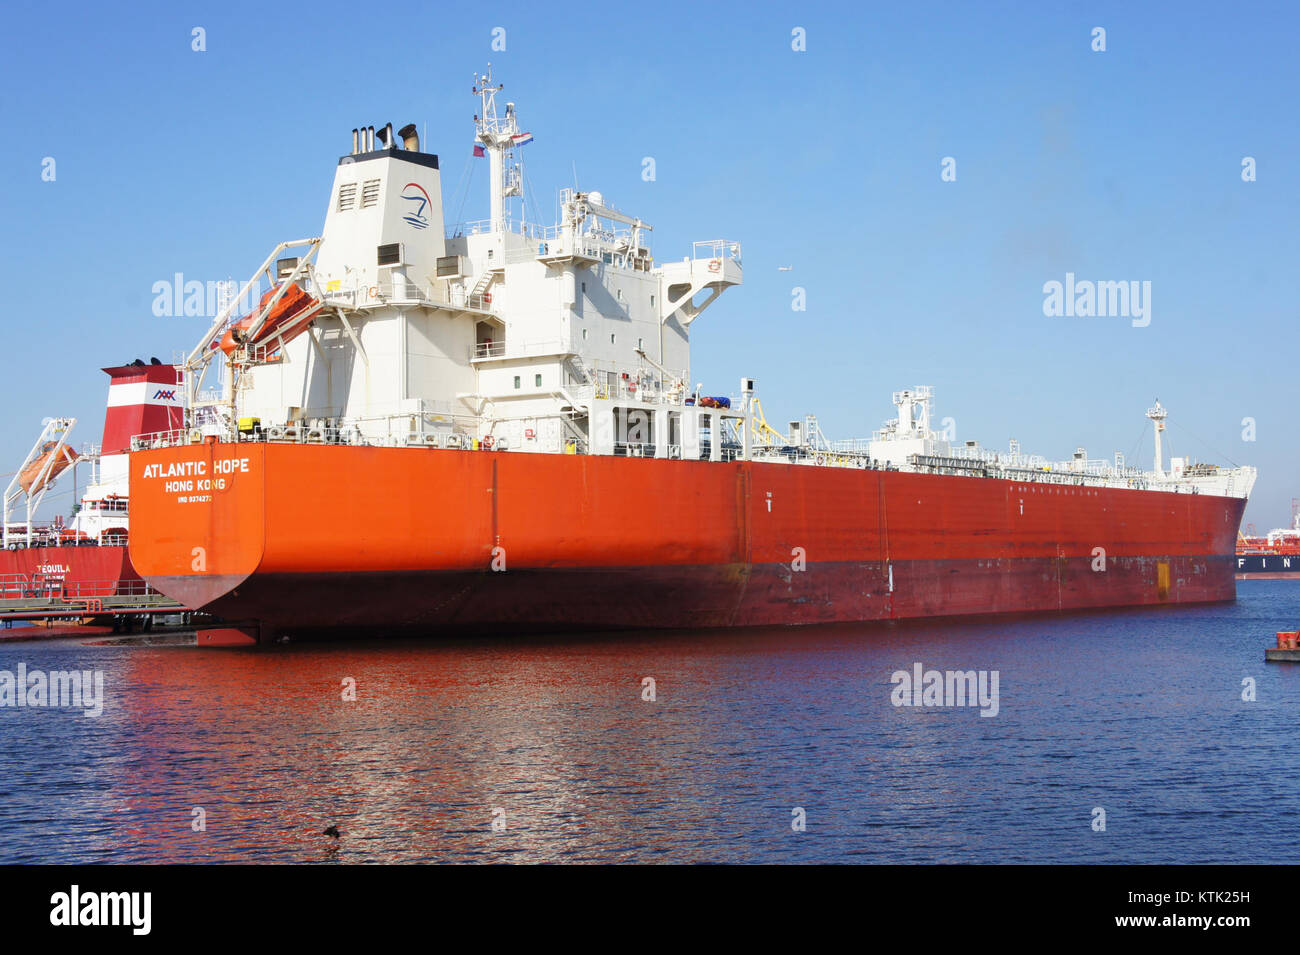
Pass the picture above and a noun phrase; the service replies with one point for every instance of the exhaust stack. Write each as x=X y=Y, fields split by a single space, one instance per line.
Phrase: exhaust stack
x=410 y=138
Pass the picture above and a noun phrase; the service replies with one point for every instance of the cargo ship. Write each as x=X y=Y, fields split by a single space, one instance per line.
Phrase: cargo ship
x=1275 y=556
x=84 y=558
x=492 y=426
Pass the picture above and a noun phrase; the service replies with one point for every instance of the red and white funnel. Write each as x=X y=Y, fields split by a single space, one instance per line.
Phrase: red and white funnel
x=142 y=399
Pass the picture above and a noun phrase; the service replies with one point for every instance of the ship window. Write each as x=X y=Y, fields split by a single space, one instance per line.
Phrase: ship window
x=347 y=196
x=611 y=339
x=652 y=301
x=584 y=288
x=620 y=295
x=640 y=344
x=516 y=381
x=537 y=380
x=369 y=193
x=584 y=334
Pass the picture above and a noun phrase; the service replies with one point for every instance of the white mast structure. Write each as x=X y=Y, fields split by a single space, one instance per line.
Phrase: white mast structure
x=48 y=456
x=498 y=137
x=1158 y=415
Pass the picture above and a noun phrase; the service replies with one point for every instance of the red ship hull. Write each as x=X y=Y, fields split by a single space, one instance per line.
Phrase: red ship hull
x=295 y=538
x=90 y=571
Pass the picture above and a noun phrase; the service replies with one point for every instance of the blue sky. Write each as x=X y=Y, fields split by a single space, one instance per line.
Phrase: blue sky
x=1115 y=165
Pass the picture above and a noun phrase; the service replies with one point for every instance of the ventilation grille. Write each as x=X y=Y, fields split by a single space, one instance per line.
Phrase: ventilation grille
x=370 y=194
x=450 y=267
x=347 y=196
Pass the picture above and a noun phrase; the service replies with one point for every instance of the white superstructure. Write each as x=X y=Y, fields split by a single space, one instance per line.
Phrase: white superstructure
x=561 y=338
x=101 y=515
x=910 y=443
x=509 y=335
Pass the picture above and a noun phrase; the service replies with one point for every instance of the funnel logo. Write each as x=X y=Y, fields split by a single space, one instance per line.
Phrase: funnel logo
x=414 y=192
x=161 y=395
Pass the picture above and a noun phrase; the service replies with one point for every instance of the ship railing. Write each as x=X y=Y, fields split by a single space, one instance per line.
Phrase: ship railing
x=382 y=292
x=14 y=585
x=110 y=588
x=614 y=380
x=531 y=349
x=716 y=249
x=529 y=230
x=166 y=439
x=61 y=539
x=805 y=454
x=634 y=449
x=623 y=391
x=599 y=246
x=479 y=301
x=56 y=590
x=340 y=298
x=46 y=534
x=111 y=506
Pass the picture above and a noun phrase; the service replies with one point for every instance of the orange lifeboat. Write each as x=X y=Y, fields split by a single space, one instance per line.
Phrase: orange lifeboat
x=287 y=320
x=30 y=478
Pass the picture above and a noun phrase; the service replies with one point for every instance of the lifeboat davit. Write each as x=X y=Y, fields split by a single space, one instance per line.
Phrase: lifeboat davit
x=286 y=321
x=30 y=478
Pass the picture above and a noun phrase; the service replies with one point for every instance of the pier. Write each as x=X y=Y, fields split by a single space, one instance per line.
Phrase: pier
x=1287 y=649
x=123 y=601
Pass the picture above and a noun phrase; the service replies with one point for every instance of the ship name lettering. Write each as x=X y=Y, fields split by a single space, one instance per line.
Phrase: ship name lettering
x=176 y=469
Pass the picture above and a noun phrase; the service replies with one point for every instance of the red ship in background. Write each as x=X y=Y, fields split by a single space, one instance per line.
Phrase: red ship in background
x=493 y=426
x=85 y=559
x=1275 y=556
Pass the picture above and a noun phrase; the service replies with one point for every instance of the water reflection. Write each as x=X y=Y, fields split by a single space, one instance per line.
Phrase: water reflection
x=1138 y=712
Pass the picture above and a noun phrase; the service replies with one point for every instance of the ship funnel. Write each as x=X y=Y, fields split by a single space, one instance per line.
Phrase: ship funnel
x=355 y=137
x=384 y=225
x=410 y=138
x=142 y=399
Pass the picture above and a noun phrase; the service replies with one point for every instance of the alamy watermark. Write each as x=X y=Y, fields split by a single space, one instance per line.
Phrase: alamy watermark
x=178 y=297
x=1087 y=299
x=130 y=909
x=922 y=687
x=58 y=689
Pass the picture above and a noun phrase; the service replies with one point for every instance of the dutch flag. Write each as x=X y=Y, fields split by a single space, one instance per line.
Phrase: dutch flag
x=523 y=139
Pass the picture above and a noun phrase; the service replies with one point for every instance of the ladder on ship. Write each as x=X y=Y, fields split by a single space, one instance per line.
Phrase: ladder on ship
x=479 y=296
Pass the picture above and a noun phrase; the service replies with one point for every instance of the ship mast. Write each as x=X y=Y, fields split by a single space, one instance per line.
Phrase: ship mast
x=1158 y=414
x=498 y=134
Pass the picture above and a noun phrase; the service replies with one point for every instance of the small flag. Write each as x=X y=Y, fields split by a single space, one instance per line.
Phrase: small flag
x=479 y=151
x=523 y=139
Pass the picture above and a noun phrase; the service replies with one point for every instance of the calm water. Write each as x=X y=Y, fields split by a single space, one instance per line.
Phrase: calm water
x=1139 y=713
